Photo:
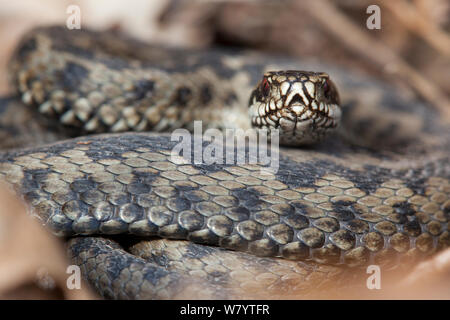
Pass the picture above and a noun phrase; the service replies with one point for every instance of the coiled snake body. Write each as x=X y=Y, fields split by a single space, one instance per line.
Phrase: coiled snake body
x=377 y=191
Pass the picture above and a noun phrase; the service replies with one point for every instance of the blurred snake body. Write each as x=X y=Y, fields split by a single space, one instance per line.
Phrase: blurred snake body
x=143 y=225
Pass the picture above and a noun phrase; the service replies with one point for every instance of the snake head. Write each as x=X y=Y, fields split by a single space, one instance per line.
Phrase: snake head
x=302 y=105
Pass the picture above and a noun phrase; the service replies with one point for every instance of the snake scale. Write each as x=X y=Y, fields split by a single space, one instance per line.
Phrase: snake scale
x=141 y=224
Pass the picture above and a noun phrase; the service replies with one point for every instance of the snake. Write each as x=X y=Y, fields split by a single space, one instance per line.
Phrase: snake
x=362 y=175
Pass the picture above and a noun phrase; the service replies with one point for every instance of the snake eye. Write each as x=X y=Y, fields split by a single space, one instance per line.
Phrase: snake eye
x=265 y=87
x=327 y=89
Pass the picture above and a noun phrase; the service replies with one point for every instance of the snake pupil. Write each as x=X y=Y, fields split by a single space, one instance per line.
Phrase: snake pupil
x=326 y=89
x=265 y=87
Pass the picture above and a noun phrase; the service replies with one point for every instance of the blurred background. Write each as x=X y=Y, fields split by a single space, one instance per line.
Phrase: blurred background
x=412 y=48
x=410 y=51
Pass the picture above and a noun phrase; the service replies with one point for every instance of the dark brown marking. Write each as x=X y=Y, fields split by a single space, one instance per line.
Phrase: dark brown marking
x=206 y=94
x=183 y=96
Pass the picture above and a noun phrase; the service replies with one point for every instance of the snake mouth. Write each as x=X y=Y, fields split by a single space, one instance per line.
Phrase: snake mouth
x=302 y=105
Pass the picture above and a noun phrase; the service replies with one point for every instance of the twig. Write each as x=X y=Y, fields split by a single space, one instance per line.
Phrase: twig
x=416 y=23
x=375 y=51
